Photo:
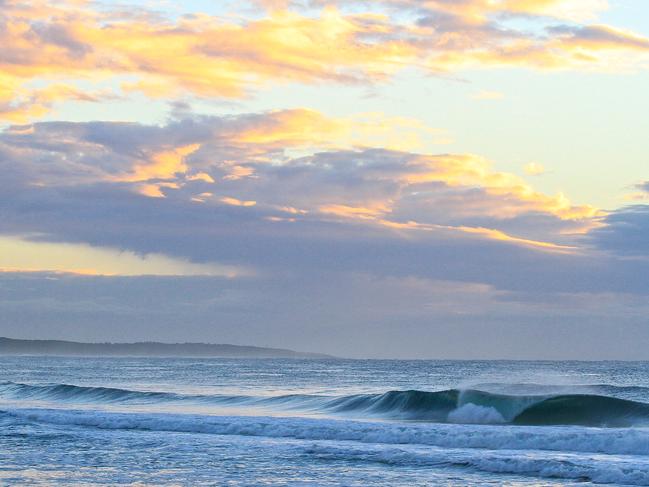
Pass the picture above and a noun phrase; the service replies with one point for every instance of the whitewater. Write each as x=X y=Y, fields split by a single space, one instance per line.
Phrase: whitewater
x=161 y=421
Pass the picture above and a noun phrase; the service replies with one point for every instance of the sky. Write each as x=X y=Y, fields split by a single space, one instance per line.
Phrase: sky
x=385 y=179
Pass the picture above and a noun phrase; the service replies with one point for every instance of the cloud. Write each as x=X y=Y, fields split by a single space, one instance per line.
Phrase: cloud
x=418 y=251
x=392 y=213
x=477 y=10
x=625 y=232
x=165 y=164
x=19 y=104
x=19 y=255
x=350 y=314
x=249 y=158
x=534 y=169
x=599 y=37
x=71 y=45
x=488 y=95
x=235 y=202
x=640 y=193
x=192 y=150
x=291 y=227
x=577 y=10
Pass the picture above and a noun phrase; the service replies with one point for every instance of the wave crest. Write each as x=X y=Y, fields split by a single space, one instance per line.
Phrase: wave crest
x=453 y=405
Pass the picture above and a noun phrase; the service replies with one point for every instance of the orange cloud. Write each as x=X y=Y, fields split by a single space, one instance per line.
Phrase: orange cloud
x=201 y=176
x=488 y=95
x=289 y=128
x=154 y=190
x=354 y=211
x=354 y=183
x=534 y=169
x=493 y=234
x=19 y=104
x=471 y=170
x=162 y=165
x=486 y=233
x=209 y=56
x=235 y=202
x=237 y=172
x=304 y=128
x=345 y=183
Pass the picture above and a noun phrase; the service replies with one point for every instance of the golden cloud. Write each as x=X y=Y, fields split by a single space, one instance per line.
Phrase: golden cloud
x=165 y=164
x=208 y=56
x=236 y=202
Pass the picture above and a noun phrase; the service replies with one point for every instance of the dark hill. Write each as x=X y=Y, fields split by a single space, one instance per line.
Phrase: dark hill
x=10 y=346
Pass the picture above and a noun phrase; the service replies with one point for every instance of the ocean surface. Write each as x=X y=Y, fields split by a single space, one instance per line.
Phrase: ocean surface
x=161 y=421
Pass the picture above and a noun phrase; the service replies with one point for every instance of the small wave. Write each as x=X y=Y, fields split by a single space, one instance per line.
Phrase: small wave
x=68 y=392
x=565 y=466
x=533 y=388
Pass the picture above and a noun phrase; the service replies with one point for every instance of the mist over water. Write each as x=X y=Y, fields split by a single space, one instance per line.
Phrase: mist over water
x=323 y=421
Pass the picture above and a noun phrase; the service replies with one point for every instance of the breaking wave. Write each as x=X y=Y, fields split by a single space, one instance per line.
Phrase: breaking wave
x=449 y=406
x=614 y=441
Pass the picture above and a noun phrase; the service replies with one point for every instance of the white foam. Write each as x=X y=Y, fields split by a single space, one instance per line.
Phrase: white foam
x=473 y=414
x=629 y=441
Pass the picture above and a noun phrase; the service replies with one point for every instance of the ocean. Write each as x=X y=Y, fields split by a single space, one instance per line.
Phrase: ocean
x=247 y=422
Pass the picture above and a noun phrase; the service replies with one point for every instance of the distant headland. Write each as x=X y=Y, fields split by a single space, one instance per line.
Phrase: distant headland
x=10 y=346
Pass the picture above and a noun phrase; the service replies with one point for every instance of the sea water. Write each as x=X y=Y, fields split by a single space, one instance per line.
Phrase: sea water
x=164 y=421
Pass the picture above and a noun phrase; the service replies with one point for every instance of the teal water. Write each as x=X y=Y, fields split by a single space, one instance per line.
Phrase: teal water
x=156 y=421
